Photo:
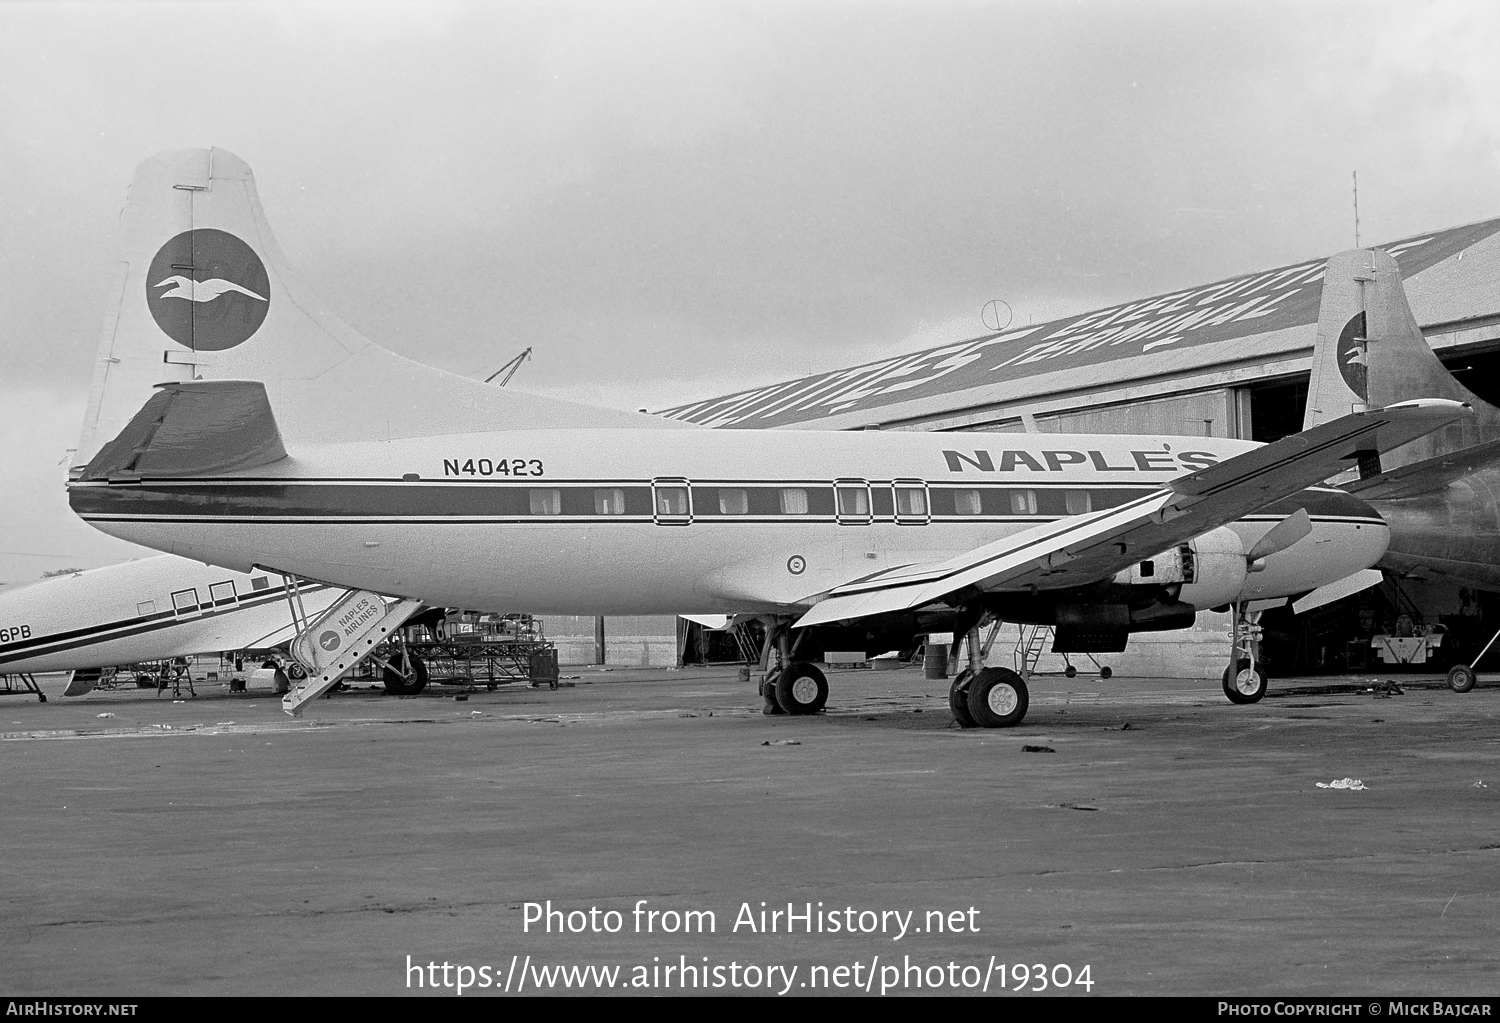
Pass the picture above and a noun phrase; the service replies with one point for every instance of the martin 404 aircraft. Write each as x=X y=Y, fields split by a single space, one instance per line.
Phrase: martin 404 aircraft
x=277 y=437
x=1440 y=494
x=147 y=610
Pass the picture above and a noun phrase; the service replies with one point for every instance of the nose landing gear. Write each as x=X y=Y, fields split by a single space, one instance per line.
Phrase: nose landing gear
x=1245 y=678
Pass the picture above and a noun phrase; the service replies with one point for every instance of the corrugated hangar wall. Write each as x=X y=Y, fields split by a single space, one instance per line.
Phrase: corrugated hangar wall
x=1228 y=359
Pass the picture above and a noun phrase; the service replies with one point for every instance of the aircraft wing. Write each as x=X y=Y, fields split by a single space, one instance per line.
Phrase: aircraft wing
x=1082 y=549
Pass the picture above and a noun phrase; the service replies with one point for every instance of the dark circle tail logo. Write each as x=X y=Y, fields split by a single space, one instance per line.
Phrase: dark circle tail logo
x=207 y=290
x=1353 y=356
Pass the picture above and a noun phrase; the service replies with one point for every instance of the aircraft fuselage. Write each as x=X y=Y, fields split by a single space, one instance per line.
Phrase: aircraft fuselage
x=144 y=611
x=667 y=522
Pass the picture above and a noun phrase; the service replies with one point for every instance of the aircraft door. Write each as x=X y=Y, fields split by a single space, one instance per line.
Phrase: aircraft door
x=912 y=506
x=852 y=504
x=671 y=501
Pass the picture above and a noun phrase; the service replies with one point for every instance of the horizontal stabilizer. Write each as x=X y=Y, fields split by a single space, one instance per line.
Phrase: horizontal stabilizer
x=1082 y=549
x=193 y=428
x=1351 y=584
x=1426 y=477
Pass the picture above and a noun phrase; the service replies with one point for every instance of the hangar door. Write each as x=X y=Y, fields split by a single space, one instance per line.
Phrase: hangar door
x=1205 y=414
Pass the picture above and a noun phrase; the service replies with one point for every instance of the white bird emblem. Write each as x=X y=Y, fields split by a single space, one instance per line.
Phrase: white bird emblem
x=202 y=291
x=1356 y=357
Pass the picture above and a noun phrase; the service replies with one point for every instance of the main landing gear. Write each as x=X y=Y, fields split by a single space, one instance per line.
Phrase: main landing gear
x=1244 y=678
x=791 y=686
x=983 y=697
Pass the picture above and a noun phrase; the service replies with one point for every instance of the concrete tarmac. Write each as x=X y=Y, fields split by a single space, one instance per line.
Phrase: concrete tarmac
x=216 y=846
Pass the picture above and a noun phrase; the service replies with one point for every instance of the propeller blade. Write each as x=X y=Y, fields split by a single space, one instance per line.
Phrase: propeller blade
x=1282 y=535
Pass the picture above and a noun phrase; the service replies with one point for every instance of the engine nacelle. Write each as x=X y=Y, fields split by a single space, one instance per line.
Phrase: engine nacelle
x=1210 y=569
x=1218 y=569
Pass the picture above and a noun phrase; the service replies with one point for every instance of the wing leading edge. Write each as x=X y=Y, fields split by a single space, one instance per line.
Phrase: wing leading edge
x=1083 y=549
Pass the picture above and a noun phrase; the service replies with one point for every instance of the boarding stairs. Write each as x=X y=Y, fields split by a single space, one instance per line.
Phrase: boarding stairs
x=334 y=643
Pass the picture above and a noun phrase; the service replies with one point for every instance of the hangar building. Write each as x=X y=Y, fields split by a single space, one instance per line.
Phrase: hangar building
x=1227 y=359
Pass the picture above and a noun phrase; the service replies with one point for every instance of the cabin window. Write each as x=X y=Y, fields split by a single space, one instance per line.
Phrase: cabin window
x=854 y=501
x=671 y=500
x=793 y=501
x=1023 y=502
x=184 y=601
x=911 y=502
x=222 y=593
x=146 y=607
x=546 y=502
x=1077 y=502
x=733 y=501
x=851 y=502
x=966 y=502
x=260 y=582
x=609 y=501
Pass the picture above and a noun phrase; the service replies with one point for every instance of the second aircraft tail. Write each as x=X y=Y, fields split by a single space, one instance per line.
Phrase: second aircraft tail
x=1370 y=353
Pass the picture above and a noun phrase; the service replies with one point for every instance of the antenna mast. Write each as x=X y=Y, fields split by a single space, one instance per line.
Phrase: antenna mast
x=1356 y=209
x=513 y=365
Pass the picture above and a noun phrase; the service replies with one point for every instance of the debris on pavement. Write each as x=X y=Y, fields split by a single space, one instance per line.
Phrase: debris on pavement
x=1353 y=784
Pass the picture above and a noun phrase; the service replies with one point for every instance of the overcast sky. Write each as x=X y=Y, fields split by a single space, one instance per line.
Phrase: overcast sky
x=670 y=201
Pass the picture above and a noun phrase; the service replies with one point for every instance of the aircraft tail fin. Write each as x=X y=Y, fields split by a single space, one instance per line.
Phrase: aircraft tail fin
x=206 y=294
x=1371 y=353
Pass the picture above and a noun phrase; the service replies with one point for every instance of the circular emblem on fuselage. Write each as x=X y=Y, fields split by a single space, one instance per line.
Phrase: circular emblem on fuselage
x=207 y=290
x=796 y=564
x=329 y=640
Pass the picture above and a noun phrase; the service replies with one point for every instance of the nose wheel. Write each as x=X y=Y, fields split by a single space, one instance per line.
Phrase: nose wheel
x=1245 y=678
x=1244 y=682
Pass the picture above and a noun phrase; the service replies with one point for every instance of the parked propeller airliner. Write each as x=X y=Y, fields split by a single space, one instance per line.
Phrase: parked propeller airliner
x=1439 y=494
x=147 y=610
x=278 y=437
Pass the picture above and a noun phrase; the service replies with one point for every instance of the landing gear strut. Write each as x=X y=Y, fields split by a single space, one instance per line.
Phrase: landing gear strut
x=1244 y=679
x=987 y=697
x=792 y=686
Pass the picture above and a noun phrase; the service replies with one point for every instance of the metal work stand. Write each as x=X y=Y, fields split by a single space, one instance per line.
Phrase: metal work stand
x=1031 y=646
x=28 y=685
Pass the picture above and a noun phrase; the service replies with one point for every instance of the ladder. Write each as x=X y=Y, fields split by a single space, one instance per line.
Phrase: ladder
x=1030 y=647
x=334 y=643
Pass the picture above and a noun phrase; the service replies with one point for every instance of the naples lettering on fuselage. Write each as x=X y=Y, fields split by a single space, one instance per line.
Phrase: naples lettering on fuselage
x=980 y=460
